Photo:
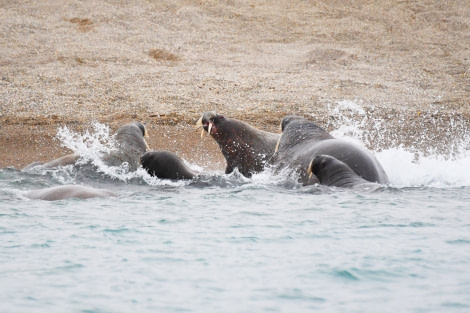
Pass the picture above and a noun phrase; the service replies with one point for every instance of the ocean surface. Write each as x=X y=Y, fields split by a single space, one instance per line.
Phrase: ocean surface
x=225 y=243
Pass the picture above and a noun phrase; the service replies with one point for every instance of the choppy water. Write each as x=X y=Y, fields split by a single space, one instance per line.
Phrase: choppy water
x=224 y=243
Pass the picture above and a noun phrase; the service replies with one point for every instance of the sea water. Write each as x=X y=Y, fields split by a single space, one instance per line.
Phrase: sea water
x=225 y=243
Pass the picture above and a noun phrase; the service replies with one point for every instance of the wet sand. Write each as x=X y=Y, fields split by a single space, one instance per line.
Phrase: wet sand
x=164 y=63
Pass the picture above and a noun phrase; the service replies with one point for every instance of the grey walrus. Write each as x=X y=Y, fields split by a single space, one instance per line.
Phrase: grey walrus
x=302 y=140
x=67 y=192
x=332 y=172
x=131 y=144
x=243 y=146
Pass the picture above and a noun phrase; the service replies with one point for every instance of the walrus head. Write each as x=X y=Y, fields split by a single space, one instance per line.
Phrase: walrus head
x=327 y=170
x=332 y=172
x=208 y=122
x=318 y=163
x=142 y=129
x=166 y=165
x=130 y=144
x=133 y=134
x=288 y=119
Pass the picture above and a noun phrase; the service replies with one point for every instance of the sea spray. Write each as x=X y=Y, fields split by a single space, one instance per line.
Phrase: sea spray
x=90 y=145
x=406 y=165
x=93 y=145
x=424 y=161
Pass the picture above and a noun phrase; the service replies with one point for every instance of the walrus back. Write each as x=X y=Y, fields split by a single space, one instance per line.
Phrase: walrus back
x=67 y=192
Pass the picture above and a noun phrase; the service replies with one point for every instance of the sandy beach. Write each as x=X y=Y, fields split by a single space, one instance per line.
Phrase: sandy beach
x=164 y=63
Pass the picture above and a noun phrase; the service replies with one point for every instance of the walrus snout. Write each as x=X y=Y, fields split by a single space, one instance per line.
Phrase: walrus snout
x=208 y=121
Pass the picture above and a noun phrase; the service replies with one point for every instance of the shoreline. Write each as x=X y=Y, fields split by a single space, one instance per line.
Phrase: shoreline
x=30 y=140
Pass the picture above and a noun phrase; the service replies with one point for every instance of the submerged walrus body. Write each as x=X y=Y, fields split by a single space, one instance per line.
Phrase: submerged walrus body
x=69 y=191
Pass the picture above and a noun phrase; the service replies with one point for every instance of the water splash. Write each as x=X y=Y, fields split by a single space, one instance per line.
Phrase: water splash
x=436 y=154
x=93 y=145
x=404 y=170
x=405 y=165
x=89 y=145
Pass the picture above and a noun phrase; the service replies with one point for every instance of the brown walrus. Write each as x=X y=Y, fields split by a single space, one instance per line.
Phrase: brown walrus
x=243 y=146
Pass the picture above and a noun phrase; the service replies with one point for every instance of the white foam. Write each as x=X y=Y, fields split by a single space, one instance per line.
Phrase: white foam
x=89 y=145
x=406 y=167
x=348 y=106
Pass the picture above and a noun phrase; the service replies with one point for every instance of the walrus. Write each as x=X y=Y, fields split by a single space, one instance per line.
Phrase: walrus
x=243 y=146
x=166 y=165
x=131 y=144
x=332 y=172
x=67 y=192
x=301 y=140
x=62 y=161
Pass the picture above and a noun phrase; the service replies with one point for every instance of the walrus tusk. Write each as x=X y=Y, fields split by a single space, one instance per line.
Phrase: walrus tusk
x=309 y=170
x=146 y=145
x=277 y=145
x=146 y=135
x=199 y=125
x=208 y=130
